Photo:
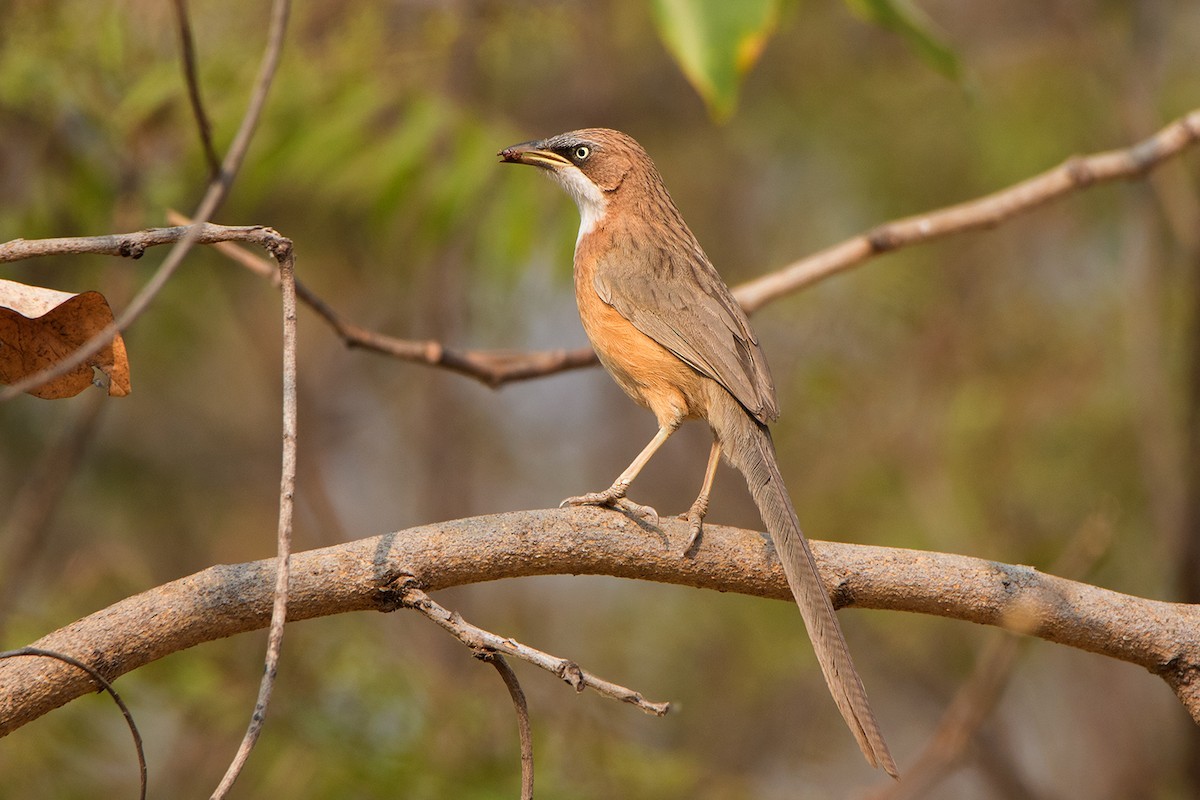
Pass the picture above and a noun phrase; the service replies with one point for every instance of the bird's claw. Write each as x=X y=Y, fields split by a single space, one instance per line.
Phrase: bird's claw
x=695 y=527
x=638 y=510
x=614 y=497
x=695 y=520
x=606 y=498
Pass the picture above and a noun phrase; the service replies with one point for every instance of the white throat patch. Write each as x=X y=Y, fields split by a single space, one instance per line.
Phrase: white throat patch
x=590 y=199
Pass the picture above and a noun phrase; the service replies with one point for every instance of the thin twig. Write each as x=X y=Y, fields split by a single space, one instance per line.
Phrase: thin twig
x=213 y=197
x=187 y=52
x=479 y=639
x=491 y=367
x=287 y=493
x=522 y=708
x=134 y=245
x=104 y=685
x=1072 y=175
x=495 y=368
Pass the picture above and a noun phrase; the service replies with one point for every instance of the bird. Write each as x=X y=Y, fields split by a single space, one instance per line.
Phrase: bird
x=669 y=331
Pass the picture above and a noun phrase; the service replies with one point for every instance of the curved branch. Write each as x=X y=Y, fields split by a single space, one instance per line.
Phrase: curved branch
x=1074 y=174
x=214 y=196
x=187 y=55
x=498 y=367
x=105 y=686
x=482 y=641
x=495 y=367
x=369 y=574
x=491 y=367
x=522 y=708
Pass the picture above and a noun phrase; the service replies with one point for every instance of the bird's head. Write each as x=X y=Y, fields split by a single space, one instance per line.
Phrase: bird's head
x=594 y=165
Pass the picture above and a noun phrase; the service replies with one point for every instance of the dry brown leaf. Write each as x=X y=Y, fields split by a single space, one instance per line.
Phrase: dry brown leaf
x=39 y=327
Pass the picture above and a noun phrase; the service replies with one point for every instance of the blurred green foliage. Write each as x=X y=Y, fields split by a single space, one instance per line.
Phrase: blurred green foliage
x=716 y=43
x=991 y=394
x=904 y=19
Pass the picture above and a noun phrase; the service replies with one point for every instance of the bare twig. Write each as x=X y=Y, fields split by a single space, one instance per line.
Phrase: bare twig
x=213 y=197
x=1072 y=175
x=366 y=574
x=496 y=368
x=479 y=639
x=287 y=493
x=105 y=686
x=187 y=53
x=522 y=708
x=491 y=367
x=134 y=245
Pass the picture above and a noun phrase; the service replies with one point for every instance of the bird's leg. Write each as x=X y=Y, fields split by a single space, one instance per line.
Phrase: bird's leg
x=614 y=496
x=695 y=514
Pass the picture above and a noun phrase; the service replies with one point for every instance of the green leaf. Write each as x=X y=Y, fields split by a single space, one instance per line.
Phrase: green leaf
x=716 y=42
x=902 y=18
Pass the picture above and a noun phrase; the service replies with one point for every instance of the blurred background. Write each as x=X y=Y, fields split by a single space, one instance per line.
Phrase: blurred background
x=1016 y=394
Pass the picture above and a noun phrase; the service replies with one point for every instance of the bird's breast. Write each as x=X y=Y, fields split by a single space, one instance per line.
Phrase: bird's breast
x=647 y=371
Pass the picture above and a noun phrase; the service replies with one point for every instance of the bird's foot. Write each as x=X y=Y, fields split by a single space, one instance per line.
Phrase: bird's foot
x=695 y=520
x=614 y=497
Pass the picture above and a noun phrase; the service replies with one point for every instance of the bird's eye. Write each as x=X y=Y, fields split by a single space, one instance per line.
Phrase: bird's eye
x=582 y=152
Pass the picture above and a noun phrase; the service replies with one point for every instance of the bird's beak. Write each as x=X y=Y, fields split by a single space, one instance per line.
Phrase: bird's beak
x=530 y=153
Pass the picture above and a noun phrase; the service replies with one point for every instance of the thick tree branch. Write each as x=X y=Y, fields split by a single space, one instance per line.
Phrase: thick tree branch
x=978 y=696
x=367 y=575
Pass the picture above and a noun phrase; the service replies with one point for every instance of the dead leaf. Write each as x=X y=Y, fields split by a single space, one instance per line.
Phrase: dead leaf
x=39 y=327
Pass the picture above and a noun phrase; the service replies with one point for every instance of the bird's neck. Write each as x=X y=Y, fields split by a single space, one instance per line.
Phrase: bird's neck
x=592 y=201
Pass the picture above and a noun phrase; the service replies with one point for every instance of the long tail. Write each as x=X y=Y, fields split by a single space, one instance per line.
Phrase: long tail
x=747 y=444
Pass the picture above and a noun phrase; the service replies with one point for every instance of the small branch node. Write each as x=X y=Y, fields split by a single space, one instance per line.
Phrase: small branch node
x=134 y=250
x=572 y=673
x=1079 y=171
x=398 y=591
x=1191 y=126
x=434 y=352
x=882 y=239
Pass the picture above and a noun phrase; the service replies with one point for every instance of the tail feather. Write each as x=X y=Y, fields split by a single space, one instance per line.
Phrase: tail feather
x=747 y=443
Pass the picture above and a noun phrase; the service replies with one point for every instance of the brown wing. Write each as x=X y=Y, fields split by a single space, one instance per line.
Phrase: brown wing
x=681 y=302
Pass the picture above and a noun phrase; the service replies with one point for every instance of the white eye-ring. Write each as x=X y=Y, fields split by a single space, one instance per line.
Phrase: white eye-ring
x=582 y=152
